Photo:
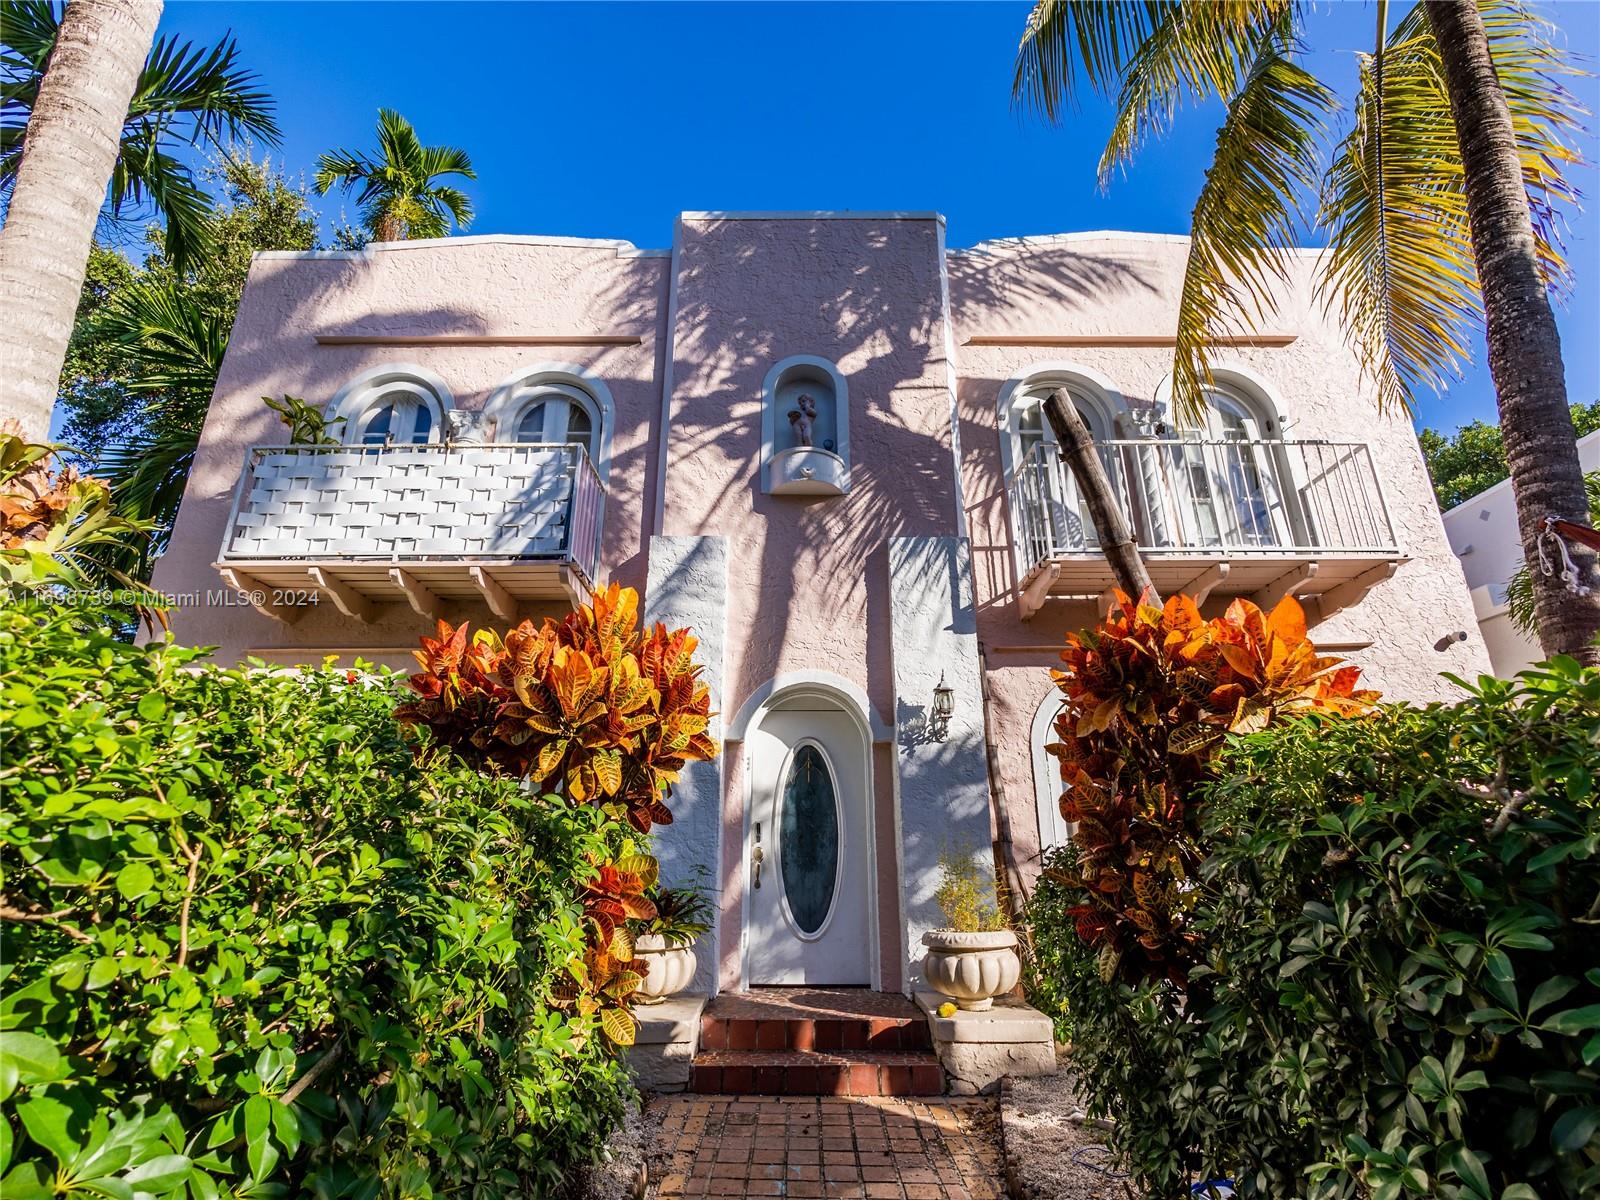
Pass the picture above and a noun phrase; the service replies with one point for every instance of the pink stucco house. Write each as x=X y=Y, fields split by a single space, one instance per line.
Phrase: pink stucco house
x=530 y=416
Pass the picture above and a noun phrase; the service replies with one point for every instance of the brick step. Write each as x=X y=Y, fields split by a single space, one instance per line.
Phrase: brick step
x=817 y=1073
x=822 y=1034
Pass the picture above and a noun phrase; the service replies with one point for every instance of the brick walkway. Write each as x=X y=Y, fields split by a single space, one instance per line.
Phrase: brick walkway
x=873 y=1147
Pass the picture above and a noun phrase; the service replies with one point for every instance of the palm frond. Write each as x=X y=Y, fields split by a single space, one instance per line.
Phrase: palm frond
x=1400 y=269
x=28 y=31
x=445 y=160
x=398 y=145
x=1547 y=118
x=147 y=476
x=1064 y=37
x=179 y=345
x=455 y=202
x=395 y=188
x=220 y=99
x=1248 y=213
x=1202 y=50
x=146 y=173
x=339 y=167
x=182 y=94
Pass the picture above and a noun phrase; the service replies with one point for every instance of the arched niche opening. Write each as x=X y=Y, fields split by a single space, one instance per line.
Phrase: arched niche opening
x=805 y=428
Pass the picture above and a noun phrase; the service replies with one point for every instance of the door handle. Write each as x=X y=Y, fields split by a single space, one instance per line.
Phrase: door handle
x=757 y=857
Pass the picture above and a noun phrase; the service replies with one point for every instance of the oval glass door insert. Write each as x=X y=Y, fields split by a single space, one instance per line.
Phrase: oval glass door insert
x=808 y=840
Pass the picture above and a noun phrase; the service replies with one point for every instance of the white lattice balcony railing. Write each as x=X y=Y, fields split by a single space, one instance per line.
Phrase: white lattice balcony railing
x=363 y=525
x=1266 y=518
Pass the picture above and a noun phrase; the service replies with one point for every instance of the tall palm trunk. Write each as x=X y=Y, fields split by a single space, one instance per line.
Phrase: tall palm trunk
x=1524 y=344
x=1111 y=526
x=68 y=153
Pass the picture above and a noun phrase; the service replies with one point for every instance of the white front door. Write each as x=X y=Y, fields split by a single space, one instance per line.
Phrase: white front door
x=808 y=867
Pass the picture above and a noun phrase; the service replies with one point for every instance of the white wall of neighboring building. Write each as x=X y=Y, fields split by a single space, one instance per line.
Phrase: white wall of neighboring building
x=1483 y=534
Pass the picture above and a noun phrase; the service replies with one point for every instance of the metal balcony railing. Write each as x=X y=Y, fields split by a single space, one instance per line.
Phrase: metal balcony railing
x=406 y=504
x=1209 y=497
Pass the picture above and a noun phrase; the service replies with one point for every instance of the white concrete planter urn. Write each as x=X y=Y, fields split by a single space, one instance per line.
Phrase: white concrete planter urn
x=667 y=970
x=971 y=968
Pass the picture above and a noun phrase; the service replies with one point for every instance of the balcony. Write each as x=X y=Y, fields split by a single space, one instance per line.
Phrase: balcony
x=422 y=525
x=1264 y=519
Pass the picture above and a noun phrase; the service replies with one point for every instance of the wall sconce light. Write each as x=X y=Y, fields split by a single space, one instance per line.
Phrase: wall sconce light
x=944 y=705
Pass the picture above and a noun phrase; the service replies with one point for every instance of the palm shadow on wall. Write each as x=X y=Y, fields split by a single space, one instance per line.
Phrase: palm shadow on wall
x=883 y=323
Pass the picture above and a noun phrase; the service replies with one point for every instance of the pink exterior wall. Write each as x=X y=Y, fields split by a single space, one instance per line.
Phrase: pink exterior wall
x=808 y=578
x=1128 y=284
x=462 y=287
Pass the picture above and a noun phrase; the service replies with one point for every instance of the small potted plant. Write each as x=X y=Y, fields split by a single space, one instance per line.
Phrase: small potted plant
x=663 y=946
x=974 y=959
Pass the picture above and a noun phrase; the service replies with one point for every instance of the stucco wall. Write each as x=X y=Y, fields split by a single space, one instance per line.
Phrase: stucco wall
x=1484 y=535
x=688 y=586
x=943 y=796
x=1129 y=285
x=462 y=288
x=808 y=577
x=811 y=585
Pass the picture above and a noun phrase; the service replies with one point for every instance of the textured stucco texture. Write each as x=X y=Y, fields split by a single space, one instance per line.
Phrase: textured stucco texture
x=911 y=573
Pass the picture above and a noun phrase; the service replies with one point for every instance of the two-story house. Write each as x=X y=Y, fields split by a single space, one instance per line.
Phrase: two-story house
x=816 y=438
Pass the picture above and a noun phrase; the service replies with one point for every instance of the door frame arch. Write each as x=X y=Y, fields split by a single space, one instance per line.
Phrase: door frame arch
x=836 y=693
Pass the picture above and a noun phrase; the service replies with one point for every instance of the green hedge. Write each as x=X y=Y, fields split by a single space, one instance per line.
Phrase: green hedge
x=1401 y=994
x=253 y=947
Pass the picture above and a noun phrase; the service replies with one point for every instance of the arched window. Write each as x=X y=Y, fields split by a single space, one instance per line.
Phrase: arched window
x=391 y=406
x=396 y=418
x=1047 y=787
x=1031 y=430
x=1232 y=473
x=555 y=404
x=1050 y=518
x=553 y=414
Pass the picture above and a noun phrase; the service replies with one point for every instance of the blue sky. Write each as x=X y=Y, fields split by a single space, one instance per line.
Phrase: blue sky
x=605 y=120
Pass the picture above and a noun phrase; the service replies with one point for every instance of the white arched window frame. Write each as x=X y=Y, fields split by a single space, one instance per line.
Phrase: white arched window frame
x=778 y=390
x=1023 y=429
x=398 y=404
x=550 y=403
x=1053 y=827
x=1250 y=495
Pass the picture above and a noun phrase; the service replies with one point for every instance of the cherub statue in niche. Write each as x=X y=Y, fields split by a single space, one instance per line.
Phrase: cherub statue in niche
x=801 y=418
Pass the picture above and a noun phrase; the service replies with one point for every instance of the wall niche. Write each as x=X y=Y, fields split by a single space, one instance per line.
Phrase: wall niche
x=805 y=429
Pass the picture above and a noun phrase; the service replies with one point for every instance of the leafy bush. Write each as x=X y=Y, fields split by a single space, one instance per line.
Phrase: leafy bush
x=253 y=944
x=683 y=914
x=592 y=706
x=966 y=895
x=1400 y=992
x=1150 y=695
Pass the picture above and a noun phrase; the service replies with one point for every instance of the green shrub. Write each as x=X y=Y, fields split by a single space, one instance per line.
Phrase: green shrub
x=252 y=946
x=1401 y=987
x=967 y=895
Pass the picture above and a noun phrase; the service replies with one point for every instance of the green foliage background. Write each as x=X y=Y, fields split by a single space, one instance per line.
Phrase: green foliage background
x=253 y=947
x=1398 y=998
x=1472 y=458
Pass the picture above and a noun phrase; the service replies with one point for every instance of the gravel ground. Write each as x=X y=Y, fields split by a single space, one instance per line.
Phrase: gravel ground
x=621 y=1176
x=1049 y=1156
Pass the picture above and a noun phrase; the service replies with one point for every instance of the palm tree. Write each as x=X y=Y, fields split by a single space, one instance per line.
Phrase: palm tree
x=1524 y=344
x=184 y=96
x=62 y=168
x=398 y=195
x=1394 y=200
x=179 y=347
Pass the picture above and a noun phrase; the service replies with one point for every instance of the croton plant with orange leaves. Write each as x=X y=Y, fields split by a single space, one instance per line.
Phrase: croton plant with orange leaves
x=591 y=706
x=596 y=709
x=1149 y=695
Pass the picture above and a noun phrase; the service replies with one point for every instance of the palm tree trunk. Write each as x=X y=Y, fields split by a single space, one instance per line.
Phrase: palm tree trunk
x=1524 y=344
x=1105 y=511
x=68 y=153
